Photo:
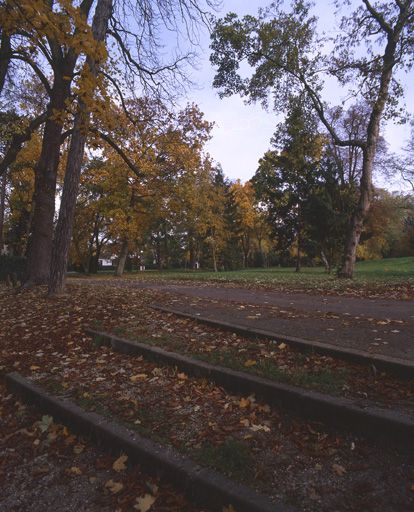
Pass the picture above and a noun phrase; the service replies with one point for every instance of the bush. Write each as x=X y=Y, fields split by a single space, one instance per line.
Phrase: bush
x=12 y=268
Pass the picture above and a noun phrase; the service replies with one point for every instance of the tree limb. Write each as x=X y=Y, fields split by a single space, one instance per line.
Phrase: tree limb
x=18 y=140
x=378 y=17
x=36 y=69
x=120 y=152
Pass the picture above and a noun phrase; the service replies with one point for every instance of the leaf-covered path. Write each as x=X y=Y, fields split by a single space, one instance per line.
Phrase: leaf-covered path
x=295 y=461
x=373 y=324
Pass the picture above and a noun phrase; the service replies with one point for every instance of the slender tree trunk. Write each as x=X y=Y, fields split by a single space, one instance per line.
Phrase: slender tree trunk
x=5 y=55
x=214 y=256
x=298 y=253
x=122 y=258
x=2 y=209
x=63 y=234
x=326 y=262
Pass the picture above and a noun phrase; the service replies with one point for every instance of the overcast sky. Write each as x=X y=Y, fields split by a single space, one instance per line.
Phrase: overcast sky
x=242 y=132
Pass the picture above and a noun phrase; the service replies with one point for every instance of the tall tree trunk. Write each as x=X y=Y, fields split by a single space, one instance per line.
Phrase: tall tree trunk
x=298 y=253
x=5 y=56
x=40 y=243
x=63 y=234
x=214 y=255
x=369 y=151
x=2 y=209
x=122 y=258
x=326 y=262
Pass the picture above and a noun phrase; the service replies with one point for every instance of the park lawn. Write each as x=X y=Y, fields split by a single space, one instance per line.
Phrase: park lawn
x=392 y=278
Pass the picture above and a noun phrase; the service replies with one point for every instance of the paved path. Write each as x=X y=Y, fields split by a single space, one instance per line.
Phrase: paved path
x=374 y=325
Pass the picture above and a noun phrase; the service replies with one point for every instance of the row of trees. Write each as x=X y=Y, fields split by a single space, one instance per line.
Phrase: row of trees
x=96 y=86
x=183 y=212
x=81 y=54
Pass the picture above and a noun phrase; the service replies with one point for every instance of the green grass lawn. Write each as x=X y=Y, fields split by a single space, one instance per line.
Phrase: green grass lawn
x=384 y=270
x=368 y=275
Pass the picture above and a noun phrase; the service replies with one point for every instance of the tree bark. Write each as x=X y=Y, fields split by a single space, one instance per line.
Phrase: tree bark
x=214 y=255
x=369 y=151
x=2 y=209
x=297 y=269
x=5 y=56
x=326 y=262
x=122 y=258
x=40 y=243
x=63 y=234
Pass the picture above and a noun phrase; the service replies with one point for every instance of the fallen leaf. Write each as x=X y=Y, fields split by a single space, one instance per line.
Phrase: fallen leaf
x=144 y=503
x=74 y=470
x=34 y=367
x=139 y=376
x=250 y=363
x=257 y=428
x=78 y=448
x=45 y=423
x=182 y=376
x=119 y=464
x=282 y=346
x=114 y=487
x=244 y=402
x=339 y=470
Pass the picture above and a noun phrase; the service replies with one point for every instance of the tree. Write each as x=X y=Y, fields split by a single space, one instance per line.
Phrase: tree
x=375 y=42
x=287 y=175
x=63 y=231
x=54 y=38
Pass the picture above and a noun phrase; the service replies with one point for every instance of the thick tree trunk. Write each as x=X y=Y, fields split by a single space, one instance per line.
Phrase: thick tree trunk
x=3 y=181
x=40 y=243
x=122 y=258
x=357 y=221
x=59 y=259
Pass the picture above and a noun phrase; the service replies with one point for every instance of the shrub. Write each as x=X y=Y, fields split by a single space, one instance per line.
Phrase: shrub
x=12 y=268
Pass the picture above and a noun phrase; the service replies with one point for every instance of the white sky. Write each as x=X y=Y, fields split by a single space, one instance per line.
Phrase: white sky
x=242 y=132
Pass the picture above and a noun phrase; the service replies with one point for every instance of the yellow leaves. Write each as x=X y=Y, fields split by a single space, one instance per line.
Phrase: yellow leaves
x=144 y=503
x=74 y=470
x=249 y=363
x=244 y=403
x=34 y=367
x=230 y=508
x=114 y=487
x=138 y=377
x=119 y=465
x=282 y=346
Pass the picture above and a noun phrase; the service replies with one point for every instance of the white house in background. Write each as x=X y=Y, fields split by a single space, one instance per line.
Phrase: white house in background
x=104 y=262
